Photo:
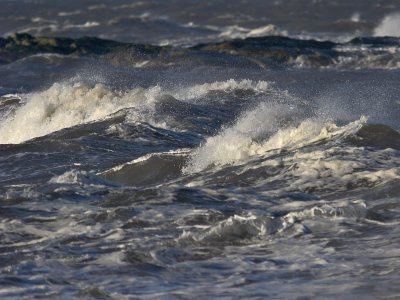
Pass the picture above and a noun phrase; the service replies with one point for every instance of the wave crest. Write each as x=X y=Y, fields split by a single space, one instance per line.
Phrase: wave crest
x=268 y=127
x=71 y=103
x=239 y=229
x=65 y=105
x=389 y=26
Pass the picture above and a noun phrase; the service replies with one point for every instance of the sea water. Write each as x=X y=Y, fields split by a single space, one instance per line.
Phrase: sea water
x=241 y=150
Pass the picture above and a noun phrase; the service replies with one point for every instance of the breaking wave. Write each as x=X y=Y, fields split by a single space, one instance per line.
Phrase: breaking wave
x=268 y=127
x=201 y=90
x=234 y=31
x=389 y=26
x=242 y=229
x=68 y=104
x=71 y=103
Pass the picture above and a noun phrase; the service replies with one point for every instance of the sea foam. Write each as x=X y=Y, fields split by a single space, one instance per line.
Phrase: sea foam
x=65 y=105
x=267 y=127
x=389 y=26
x=71 y=103
x=245 y=228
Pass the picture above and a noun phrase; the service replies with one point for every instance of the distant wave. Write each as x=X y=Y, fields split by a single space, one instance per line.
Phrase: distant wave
x=389 y=26
x=234 y=31
x=266 y=52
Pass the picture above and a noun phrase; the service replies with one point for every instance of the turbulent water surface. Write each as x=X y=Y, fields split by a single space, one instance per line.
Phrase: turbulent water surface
x=199 y=149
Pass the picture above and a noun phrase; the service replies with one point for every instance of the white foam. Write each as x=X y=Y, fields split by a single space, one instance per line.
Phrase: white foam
x=74 y=177
x=72 y=103
x=389 y=26
x=341 y=168
x=97 y=6
x=268 y=30
x=365 y=57
x=252 y=226
x=200 y=90
x=68 y=104
x=238 y=32
x=330 y=169
x=69 y=13
x=356 y=17
x=111 y=259
x=231 y=32
x=178 y=152
x=10 y=96
x=259 y=131
x=234 y=143
x=87 y=24
x=235 y=228
x=361 y=57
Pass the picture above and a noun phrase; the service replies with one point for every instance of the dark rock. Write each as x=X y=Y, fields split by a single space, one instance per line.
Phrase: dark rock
x=272 y=50
x=259 y=52
x=20 y=45
x=375 y=41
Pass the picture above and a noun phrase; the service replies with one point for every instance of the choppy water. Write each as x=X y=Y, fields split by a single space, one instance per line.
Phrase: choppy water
x=252 y=152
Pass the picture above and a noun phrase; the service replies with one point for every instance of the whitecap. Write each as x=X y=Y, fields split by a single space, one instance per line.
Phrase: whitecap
x=389 y=26
x=74 y=102
x=264 y=129
x=68 y=104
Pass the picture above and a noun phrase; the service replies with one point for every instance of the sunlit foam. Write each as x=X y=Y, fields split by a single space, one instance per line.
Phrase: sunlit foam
x=389 y=26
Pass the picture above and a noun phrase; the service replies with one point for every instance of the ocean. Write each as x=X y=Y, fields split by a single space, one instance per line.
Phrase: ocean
x=199 y=149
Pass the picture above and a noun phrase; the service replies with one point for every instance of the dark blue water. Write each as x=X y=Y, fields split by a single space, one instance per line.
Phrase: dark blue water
x=204 y=150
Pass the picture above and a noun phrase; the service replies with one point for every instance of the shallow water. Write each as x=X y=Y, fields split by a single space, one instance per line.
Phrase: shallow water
x=254 y=154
